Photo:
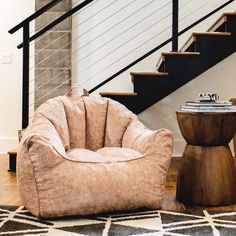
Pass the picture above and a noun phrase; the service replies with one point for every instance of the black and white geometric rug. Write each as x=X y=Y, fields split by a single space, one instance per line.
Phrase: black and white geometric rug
x=15 y=220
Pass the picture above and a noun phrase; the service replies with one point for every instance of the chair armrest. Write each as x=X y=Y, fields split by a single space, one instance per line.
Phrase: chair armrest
x=40 y=151
x=140 y=138
x=156 y=146
x=44 y=134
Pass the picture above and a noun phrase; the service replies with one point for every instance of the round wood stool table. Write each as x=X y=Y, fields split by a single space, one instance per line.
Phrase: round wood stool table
x=207 y=174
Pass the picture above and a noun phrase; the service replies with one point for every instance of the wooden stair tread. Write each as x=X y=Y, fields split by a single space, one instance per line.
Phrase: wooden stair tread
x=149 y=73
x=221 y=20
x=117 y=94
x=180 y=53
x=212 y=33
x=191 y=39
x=229 y=13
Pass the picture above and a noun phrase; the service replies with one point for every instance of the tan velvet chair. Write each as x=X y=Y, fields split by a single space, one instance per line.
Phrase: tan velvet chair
x=86 y=155
x=233 y=100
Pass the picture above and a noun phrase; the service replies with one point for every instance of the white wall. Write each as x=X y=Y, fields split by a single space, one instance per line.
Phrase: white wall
x=11 y=13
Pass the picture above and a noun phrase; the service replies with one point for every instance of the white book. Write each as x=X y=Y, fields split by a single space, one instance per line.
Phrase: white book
x=208 y=107
x=215 y=111
x=209 y=104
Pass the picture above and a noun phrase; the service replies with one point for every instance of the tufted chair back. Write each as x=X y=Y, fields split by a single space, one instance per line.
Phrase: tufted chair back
x=87 y=155
x=86 y=122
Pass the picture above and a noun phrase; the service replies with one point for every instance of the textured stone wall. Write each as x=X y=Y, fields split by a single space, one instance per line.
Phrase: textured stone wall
x=52 y=53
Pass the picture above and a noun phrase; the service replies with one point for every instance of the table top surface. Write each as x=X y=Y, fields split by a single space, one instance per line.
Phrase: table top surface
x=208 y=112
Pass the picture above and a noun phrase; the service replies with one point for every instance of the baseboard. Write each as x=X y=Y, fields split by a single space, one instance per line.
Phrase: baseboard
x=8 y=143
x=176 y=156
x=3 y=153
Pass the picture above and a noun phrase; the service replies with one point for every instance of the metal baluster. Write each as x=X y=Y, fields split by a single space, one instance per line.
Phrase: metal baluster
x=25 y=82
x=175 y=24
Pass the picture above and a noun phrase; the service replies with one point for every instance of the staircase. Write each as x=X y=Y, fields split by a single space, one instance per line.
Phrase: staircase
x=174 y=69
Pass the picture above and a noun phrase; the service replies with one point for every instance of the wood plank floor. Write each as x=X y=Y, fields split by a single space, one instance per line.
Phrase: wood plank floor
x=8 y=187
x=9 y=194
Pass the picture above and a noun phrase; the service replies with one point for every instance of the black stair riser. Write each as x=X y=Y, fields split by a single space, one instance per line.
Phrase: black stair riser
x=211 y=52
x=182 y=65
x=153 y=90
x=214 y=49
x=192 y=47
x=213 y=44
x=228 y=26
x=222 y=28
x=139 y=103
x=231 y=24
x=129 y=101
x=143 y=84
x=161 y=68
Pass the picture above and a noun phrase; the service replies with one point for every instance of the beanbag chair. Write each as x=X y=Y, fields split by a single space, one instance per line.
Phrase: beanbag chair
x=87 y=155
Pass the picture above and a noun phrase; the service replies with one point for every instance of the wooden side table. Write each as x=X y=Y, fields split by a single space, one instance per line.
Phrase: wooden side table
x=207 y=174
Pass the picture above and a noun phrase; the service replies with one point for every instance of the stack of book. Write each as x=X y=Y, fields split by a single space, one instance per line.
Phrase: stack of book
x=208 y=105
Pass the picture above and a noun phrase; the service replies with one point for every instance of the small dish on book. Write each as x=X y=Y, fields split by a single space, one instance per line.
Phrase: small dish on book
x=208 y=102
x=207 y=97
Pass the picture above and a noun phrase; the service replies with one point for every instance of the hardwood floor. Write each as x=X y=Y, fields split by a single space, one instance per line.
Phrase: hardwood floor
x=8 y=187
x=9 y=194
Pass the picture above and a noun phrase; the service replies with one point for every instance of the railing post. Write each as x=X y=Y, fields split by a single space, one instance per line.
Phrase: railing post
x=25 y=81
x=175 y=23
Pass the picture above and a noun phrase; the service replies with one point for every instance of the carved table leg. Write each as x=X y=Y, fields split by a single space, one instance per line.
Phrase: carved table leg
x=207 y=176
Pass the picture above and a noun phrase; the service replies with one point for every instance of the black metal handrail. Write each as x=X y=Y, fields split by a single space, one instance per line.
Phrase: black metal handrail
x=173 y=39
x=57 y=21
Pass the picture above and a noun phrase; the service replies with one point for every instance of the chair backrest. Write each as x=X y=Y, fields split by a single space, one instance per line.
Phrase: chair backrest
x=87 y=122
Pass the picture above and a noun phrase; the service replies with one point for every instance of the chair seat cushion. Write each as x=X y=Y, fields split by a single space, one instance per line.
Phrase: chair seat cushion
x=119 y=154
x=106 y=155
